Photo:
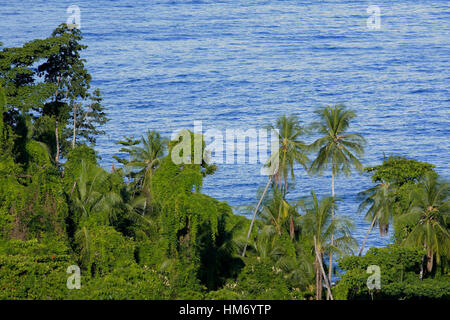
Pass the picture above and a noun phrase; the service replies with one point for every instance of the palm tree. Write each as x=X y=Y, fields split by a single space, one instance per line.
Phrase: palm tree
x=380 y=200
x=428 y=217
x=319 y=224
x=145 y=159
x=90 y=198
x=279 y=214
x=277 y=243
x=84 y=240
x=291 y=150
x=336 y=148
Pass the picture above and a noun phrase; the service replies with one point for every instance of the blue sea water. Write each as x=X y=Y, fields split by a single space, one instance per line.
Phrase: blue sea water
x=242 y=63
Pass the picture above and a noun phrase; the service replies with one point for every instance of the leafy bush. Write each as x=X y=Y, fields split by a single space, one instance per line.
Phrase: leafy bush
x=400 y=276
x=34 y=270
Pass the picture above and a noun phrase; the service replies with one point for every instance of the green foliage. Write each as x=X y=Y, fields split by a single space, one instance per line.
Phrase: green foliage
x=32 y=204
x=125 y=282
x=189 y=221
x=17 y=74
x=402 y=174
x=219 y=260
x=426 y=223
x=326 y=234
x=127 y=144
x=72 y=167
x=3 y=128
x=37 y=270
x=258 y=280
x=49 y=77
x=38 y=155
x=400 y=276
x=96 y=195
x=34 y=270
x=176 y=188
x=102 y=249
x=399 y=170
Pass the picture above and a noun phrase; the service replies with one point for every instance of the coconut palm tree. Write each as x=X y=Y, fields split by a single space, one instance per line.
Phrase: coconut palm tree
x=90 y=198
x=318 y=224
x=428 y=218
x=279 y=214
x=277 y=241
x=336 y=148
x=145 y=159
x=380 y=202
x=291 y=151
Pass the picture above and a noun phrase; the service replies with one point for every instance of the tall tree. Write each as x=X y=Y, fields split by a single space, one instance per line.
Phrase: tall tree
x=291 y=151
x=49 y=77
x=66 y=70
x=22 y=91
x=319 y=224
x=336 y=147
x=87 y=120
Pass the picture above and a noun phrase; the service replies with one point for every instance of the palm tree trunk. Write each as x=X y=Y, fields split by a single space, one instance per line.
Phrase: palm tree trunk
x=318 y=280
x=330 y=262
x=291 y=228
x=429 y=260
x=367 y=235
x=319 y=258
x=254 y=216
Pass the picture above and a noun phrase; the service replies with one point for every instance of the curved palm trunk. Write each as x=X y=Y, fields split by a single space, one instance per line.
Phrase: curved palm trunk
x=254 y=216
x=327 y=284
x=367 y=236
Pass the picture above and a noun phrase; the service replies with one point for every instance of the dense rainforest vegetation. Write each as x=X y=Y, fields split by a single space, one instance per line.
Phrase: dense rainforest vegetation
x=145 y=230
